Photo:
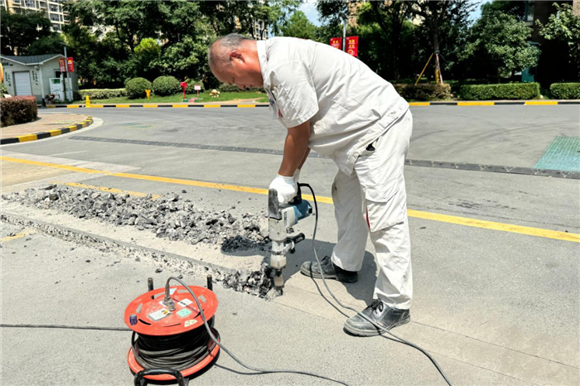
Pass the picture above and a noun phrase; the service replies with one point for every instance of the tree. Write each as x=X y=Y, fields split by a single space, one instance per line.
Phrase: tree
x=46 y=45
x=241 y=16
x=299 y=26
x=498 y=45
x=19 y=30
x=565 y=27
x=443 y=29
x=391 y=18
x=514 y=8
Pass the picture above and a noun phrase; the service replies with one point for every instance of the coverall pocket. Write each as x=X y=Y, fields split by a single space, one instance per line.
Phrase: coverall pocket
x=385 y=203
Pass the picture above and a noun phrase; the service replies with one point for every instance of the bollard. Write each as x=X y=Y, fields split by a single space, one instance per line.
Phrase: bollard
x=87 y=101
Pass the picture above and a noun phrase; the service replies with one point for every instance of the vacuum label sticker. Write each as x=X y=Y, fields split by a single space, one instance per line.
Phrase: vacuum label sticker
x=185 y=302
x=190 y=322
x=159 y=314
x=183 y=312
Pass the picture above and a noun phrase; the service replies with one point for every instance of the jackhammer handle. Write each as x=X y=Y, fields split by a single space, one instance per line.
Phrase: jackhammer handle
x=296 y=239
x=139 y=377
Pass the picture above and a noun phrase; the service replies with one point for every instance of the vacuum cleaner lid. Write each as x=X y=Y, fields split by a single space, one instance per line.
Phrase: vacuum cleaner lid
x=149 y=316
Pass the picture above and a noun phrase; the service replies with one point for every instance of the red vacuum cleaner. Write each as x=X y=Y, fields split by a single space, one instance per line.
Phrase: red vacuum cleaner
x=170 y=341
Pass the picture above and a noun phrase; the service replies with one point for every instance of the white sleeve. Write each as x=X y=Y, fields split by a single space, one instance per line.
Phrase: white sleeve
x=294 y=92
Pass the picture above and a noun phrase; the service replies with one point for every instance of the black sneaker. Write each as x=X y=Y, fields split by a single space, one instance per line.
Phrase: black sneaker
x=330 y=270
x=382 y=315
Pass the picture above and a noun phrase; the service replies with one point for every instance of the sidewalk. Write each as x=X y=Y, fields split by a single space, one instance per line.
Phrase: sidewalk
x=46 y=126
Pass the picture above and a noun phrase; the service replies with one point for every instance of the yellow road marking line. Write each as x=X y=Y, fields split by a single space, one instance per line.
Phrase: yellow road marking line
x=150 y=106
x=110 y=190
x=55 y=132
x=73 y=106
x=26 y=138
x=475 y=103
x=122 y=106
x=95 y=106
x=18 y=235
x=56 y=166
x=51 y=106
x=212 y=106
x=539 y=232
x=246 y=106
x=178 y=106
x=541 y=103
x=419 y=104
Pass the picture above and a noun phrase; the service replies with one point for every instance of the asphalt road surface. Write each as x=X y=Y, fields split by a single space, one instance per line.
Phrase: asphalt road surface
x=495 y=255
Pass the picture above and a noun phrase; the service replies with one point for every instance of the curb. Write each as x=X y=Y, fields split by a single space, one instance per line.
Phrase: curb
x=152 y=105
x=47 y=134
x=458 y=103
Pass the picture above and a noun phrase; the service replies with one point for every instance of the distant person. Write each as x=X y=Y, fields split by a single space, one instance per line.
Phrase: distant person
x=334 y=104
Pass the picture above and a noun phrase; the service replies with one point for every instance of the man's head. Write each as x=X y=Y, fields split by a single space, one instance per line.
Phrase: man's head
x=234 y=59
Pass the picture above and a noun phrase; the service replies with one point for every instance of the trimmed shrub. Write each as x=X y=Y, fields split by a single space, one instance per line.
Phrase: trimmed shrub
x=479 y=92
x=565 y=90
x=3 y=90
x=18 y=109
x=166 y=85
x=424 y=91
x=224 y=87
x=136 y=88
x=103 y=93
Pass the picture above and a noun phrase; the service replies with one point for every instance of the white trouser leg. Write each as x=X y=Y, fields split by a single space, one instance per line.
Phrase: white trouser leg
x=348 y=253
x=380 y=173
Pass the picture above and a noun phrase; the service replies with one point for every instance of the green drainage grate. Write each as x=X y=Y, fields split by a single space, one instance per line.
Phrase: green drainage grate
x=563 y=154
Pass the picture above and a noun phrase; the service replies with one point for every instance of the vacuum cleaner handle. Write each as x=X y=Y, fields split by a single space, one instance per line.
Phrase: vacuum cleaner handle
x=141 y=381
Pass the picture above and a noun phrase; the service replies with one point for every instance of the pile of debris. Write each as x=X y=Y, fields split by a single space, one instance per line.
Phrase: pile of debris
x=169 y=216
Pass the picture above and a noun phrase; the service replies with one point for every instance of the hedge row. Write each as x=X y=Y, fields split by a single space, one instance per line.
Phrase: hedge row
x=565 y=90
x=424 y=91
x=18 y=109
x=105 y=93
x=500 y=91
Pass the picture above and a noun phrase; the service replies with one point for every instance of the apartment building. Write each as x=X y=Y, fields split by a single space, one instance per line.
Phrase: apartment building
x=52 y=9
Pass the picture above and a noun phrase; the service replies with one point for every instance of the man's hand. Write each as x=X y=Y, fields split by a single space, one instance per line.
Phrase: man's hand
x=286 y=187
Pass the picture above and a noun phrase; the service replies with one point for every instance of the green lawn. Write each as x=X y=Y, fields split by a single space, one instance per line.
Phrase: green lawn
x=203 y=98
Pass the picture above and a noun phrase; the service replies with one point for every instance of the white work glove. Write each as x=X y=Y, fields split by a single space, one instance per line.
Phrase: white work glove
x=286 y=187
x=296 y=175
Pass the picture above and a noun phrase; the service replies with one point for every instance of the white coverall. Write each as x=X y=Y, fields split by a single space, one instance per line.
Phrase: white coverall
x=349 y=108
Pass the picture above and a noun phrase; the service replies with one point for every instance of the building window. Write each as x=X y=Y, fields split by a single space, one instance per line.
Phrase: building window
x=54 y=17
x=31 y=3
x=56 y=27
x=53 y=8
x=15 y=1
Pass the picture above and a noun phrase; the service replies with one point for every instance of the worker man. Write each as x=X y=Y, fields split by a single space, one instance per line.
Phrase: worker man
x=334 y=104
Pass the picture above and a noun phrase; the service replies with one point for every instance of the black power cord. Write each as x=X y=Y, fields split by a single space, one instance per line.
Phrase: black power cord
x=397 y=339
x=178 y=352
x=256 y=369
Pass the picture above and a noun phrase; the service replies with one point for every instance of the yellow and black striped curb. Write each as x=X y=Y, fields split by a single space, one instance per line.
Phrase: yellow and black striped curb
x=458 y=103
x=47 y=134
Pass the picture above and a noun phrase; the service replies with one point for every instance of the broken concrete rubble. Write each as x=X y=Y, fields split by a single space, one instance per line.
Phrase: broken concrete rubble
x=170 y=217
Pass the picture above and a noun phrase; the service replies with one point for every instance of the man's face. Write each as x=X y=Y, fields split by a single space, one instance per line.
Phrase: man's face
x=243 y=70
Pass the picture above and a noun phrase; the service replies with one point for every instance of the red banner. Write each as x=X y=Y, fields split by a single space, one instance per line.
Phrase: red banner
x=336 y=43
x=61 y=65
x=70 y=65
x=352 y=45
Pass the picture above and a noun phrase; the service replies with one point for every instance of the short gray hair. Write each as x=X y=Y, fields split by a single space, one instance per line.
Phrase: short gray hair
x=218 y=54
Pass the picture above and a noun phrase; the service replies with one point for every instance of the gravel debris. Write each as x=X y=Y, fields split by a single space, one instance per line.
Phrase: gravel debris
x=169 y=217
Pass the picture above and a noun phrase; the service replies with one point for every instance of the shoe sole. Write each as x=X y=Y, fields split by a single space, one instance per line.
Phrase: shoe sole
x=358 y=332
x=314 y=275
